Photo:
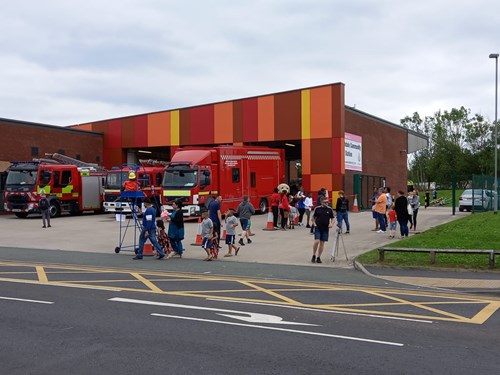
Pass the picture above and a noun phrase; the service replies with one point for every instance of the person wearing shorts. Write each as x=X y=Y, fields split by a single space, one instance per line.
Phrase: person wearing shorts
x=207 y=234
x=231 y=224
x=323 y=218
x=245 y=212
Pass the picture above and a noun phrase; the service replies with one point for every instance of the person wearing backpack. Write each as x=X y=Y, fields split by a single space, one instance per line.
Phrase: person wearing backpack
x=43 y=206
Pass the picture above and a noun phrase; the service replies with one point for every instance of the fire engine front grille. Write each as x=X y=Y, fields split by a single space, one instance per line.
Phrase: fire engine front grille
x=111 y=197
x=17 y=198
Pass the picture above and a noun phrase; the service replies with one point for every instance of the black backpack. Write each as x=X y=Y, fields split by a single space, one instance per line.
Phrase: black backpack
x=43 y=204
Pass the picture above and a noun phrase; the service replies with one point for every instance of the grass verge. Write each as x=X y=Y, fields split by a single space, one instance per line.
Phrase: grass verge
x=475 y=231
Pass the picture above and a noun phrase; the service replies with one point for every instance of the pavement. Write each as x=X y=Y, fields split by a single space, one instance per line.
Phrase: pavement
x=90 y=233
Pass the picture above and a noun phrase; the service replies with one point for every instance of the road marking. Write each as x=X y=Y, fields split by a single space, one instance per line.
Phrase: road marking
x=325 y=311
x=282 y=330
x=26 y=300
x=146 y=282
x=270 y=292
x=252 y=317
x=42 y=276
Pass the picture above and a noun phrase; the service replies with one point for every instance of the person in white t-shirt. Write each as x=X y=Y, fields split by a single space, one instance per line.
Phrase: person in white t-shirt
x=308 y=202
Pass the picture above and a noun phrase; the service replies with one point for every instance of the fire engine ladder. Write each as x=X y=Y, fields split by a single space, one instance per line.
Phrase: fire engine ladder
x=63 y=159
x=153 y=163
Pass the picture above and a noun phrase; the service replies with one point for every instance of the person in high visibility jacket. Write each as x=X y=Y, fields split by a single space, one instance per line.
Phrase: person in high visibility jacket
x=131 y=184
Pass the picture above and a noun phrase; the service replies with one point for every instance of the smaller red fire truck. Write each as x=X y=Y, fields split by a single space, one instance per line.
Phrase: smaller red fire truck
x=149 y=175
x=70 y=185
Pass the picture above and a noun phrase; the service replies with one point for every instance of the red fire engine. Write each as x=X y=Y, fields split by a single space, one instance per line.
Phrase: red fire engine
x=196 y=175
x=71 y=185
x=149 y=175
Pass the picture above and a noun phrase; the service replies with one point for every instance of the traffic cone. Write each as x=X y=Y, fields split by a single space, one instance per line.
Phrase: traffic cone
x=355 y=205
x=147 y=249
x=269 y=225
x=198 y=239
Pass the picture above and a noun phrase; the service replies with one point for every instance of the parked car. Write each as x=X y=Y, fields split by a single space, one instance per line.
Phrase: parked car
x=483 y=200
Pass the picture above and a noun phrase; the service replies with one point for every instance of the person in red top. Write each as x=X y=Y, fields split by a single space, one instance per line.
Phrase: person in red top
x=275 y=201
x=392 y=221
x=284 y=207
x=131 y=184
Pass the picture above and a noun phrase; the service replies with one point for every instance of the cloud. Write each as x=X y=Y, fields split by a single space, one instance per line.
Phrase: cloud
x=72 y=62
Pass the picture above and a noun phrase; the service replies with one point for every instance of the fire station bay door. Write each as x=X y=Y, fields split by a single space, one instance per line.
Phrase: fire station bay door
x=363 y=186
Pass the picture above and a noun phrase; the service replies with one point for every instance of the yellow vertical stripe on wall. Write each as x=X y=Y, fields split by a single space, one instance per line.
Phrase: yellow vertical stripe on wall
x=174 y=128
x=306 y=114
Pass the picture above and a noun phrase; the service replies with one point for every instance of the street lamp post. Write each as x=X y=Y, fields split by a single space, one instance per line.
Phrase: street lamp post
x=495 y=182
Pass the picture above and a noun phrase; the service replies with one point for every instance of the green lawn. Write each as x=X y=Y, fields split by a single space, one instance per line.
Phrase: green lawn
x=476 y=231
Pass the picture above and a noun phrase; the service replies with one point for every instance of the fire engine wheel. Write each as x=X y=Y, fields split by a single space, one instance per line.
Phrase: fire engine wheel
x=263 y=206
x=117 y=249
x=54 y=209
x=21 y=215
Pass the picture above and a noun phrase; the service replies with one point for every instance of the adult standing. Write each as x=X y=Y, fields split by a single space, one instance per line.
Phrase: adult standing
x=215 y=215
x=401 y=208
x=380 y=209
x=176 y=229
x=43 y=206
x=319 y=199
x=342 y=208
x=275 y=202
x=284 y=207
x=323 y=218
x=301 y=205
x=245 y=211
x=308 y=202
x=415 y=205
x=149 y=231
x=373 y=201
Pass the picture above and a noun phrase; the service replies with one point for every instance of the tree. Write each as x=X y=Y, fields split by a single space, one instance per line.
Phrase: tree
x=459 y=144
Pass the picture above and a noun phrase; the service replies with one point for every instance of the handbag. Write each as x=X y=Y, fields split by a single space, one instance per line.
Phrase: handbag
x=410 y=210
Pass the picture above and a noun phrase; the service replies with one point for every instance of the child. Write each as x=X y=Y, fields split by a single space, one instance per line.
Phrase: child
x=162 y=236
x=392 y=221
x=207 y=233
x=231 y=224
x=293 y=214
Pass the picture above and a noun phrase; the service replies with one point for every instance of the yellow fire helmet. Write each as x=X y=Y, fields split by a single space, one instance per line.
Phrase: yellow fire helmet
x=131 y=176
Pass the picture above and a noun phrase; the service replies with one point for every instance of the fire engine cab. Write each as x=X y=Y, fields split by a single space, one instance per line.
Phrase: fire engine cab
x=70 y=185
x=149 y=175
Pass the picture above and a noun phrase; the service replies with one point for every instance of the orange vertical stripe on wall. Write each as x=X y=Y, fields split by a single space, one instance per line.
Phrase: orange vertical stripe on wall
x=128 y=132
x=265 y=115
x=321 y=112
x=223 y=123
x=159 y=129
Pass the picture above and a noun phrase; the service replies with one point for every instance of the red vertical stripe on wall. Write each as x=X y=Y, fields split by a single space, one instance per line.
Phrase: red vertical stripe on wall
x=250 y=120
x=287 y=116
x=338 y=155
x=128 y=132
x=202 y=124
x=185 y=127
x=238 y=121
x=141 y=131
x=114 y=134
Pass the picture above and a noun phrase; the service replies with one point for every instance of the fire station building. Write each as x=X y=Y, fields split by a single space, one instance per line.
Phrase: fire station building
x=328 y=144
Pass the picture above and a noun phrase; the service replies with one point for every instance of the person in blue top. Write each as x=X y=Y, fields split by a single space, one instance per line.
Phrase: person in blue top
x=149 y=231
x=215 y=215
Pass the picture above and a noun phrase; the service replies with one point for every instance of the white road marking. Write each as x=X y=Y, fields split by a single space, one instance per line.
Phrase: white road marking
x=26 y=300
x=283 y=330
x=252 y=317
x=322 y=310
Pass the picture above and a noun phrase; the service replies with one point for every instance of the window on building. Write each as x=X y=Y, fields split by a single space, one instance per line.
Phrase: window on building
x=97 y=159
x=236 y=175
x=78 y=157
x=61 y=151
x=34 y=151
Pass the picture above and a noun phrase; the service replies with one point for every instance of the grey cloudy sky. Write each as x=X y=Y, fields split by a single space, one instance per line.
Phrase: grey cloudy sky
x=64 y=62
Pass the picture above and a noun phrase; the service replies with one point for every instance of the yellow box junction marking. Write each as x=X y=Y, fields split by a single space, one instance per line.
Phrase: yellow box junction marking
x=251 y=287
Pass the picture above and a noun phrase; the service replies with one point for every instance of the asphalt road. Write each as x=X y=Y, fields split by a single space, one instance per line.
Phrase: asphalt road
x=66 y=315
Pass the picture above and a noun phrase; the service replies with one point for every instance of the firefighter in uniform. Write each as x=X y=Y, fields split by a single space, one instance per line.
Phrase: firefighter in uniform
x=133 y=185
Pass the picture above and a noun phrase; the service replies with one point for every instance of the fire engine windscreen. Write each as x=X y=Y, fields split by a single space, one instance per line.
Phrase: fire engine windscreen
x=179 y=178
x=21 y=177
x=115 y=180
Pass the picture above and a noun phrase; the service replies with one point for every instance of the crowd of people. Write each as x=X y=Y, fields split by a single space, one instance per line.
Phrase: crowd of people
x=288 y=210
